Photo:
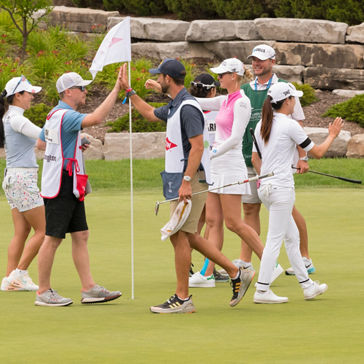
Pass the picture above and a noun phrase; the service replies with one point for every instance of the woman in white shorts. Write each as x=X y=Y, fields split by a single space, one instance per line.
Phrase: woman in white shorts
x=277 y=137
x=19 y=135
x=227 y=163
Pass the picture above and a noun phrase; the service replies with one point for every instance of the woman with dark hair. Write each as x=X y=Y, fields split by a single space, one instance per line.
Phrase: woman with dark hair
x=20 y=182
x=277 y=137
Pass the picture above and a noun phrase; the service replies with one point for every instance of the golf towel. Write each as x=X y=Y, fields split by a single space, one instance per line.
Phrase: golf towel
x=178 y=218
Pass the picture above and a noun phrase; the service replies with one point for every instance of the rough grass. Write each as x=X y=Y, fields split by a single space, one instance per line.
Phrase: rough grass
x=115 y=175
x=327 y=330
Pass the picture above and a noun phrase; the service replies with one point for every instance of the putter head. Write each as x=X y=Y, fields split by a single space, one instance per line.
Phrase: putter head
x=156 y=208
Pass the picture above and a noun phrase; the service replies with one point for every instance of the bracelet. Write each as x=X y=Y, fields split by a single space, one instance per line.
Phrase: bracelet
x=305 y=158
x=129 y=92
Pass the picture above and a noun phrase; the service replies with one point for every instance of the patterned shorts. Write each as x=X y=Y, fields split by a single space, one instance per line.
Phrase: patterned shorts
x=21 y=190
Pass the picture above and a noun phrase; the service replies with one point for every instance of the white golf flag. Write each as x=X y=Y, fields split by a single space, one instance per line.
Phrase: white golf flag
x=114 y=48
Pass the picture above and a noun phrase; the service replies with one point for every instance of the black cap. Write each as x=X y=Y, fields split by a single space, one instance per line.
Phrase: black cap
x=170 y=67
x=207 y=80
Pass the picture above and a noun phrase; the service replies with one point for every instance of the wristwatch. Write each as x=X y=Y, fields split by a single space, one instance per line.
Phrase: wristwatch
x=305 y=158
x=187 y=178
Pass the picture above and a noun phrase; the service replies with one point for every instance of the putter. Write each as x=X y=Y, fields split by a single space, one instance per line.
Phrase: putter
x=251 y=179
x=332 y=176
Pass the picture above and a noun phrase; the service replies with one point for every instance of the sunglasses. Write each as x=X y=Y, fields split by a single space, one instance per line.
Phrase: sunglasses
x=221 y=75
x=202 y=85
x=22 y=79
x=81 y=88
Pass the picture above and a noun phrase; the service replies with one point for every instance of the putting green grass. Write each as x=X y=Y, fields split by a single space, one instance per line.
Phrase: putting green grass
x=329 y=329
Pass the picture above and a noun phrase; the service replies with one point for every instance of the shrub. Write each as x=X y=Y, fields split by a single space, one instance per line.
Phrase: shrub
x=10 y=68
x=139 y=124
x=309 y=96
x=94 y=4
x=137 y=7
x=38 y=114
x=352 y=110
x=349 y=11
x=191 y=9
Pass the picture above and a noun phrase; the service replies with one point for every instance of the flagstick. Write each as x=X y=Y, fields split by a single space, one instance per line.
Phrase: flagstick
x=131 y=194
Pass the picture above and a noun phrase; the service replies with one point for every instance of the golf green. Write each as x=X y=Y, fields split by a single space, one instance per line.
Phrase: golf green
x=329 y=329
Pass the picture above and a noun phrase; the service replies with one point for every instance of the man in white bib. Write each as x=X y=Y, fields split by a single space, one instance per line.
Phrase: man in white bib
x=63 y=188
x=186 y=165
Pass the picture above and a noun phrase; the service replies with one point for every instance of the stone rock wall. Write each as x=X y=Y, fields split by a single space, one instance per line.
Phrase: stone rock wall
x=329 y=55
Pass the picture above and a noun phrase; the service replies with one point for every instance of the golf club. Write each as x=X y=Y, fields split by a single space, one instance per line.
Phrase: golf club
x=251 y=179
x=332 y=176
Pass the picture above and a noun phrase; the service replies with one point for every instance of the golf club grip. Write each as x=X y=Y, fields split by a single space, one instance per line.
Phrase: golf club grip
x=255 y=142
x=337 y=177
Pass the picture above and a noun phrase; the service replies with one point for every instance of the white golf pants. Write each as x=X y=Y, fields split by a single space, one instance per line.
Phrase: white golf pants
x=279 y=201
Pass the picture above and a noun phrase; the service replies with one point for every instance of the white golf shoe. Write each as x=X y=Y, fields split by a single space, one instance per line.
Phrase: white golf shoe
x=314 y=290
x=198 y=280
x=268 y=297
x=278 y=270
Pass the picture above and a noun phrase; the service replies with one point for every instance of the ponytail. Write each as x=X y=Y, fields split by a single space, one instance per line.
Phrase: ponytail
x=2 y=112
x=4 y=102
x=267 y=117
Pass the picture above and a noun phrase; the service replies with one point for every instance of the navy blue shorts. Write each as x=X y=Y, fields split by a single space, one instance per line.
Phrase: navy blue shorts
x=65 y=213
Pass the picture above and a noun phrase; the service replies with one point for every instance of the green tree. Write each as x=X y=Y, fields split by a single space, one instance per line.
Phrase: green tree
x=26 y=14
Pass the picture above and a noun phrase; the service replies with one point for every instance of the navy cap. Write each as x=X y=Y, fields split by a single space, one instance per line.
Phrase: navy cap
x=170 y=67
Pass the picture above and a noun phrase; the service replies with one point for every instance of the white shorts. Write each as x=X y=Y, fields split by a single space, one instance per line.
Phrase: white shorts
x=21 y=189
x=253 y=197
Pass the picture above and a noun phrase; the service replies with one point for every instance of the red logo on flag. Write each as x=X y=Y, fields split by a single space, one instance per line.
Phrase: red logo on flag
x=169 y=144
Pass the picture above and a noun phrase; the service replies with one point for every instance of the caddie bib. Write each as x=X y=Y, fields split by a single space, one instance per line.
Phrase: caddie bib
x=54 y=160
x=175 y=162
x=257 y=98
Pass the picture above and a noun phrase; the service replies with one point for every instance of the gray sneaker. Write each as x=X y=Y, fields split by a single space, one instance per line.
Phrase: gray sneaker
x=99 y=294
x=51 y=298
x=241 y=284
x=175 y=305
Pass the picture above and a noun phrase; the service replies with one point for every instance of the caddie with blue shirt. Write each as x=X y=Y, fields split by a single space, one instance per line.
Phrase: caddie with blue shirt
x=64 y=187
x=186 y=171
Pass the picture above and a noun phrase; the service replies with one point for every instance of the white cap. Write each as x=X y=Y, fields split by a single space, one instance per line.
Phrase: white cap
x=230 y=65
x=281 y=91
x=263 y=52
x=177 y=219
x=70 y=79
x=19 y=84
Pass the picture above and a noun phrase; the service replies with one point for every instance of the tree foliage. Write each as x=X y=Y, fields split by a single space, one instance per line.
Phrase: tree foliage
x=26 y=15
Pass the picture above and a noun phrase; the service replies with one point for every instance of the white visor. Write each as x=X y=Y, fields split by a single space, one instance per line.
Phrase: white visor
x=19 y=84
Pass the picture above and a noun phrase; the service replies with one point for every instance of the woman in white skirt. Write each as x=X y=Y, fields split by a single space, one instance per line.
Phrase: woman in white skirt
x=227 y=163
x=20 y=182
x=277 y=137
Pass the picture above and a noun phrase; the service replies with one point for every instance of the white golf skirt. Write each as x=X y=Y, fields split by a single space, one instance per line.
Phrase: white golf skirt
x=229 y=168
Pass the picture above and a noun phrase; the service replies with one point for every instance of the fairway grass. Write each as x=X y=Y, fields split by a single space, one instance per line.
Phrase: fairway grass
x=329 y=329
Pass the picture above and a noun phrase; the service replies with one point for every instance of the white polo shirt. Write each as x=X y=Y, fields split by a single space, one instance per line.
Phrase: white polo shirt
x=277 y=154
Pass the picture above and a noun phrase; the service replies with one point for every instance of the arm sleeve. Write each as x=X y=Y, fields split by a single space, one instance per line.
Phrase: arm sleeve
x=258 y=138
x=162 y=112
x=211 y=103
x=242 y=111
x=297 y=133
x=25 y=126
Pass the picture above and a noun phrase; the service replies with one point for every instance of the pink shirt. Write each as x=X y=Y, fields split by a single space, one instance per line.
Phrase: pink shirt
x=225 y=118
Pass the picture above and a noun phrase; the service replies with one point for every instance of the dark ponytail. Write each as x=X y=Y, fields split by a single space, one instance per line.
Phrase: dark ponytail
x=2 y=112
x=4 y=102
x=267 y=117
